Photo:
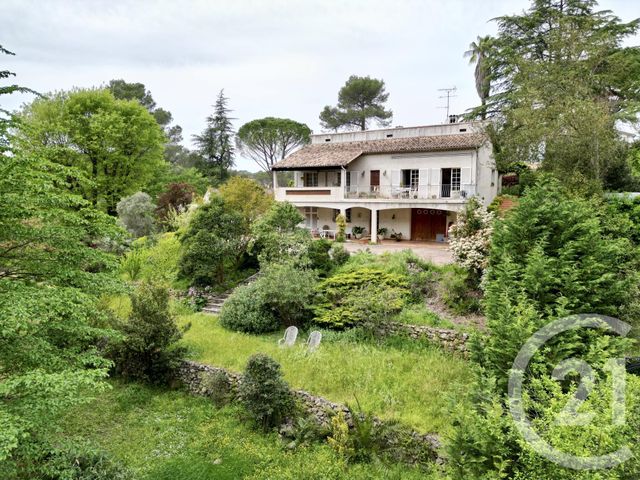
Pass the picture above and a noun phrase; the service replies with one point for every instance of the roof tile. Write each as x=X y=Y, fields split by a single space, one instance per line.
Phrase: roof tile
x=325 y=155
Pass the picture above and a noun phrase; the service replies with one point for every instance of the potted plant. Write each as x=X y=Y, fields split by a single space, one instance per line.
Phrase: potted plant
x=382 y=232
x=397 y=236
x=357 y=231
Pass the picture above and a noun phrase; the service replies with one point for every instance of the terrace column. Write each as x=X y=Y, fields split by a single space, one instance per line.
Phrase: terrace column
x=275 y=180
x=343 y=181
x=374 y=225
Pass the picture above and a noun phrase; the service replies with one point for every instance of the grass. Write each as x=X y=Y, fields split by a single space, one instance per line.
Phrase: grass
x=169 y=435
x=419 y=314
x=401 y=379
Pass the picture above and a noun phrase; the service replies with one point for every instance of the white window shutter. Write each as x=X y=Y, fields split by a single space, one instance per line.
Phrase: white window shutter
x=395 y=178
x=465 y=176
x=354 y=178
x=423 y=178
x=435 y=176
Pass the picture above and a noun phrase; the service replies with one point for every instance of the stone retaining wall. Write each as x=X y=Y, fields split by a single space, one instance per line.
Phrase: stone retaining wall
x=450 y=340
x=320 y=409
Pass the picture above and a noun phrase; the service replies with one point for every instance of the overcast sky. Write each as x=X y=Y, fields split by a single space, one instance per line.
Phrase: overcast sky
x=272 y=57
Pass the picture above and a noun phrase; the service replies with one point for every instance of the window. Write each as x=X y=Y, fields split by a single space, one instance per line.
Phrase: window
x=410 y=179
x=310 y=179
x=311 y=217
x=347 y=214
x=455 y=179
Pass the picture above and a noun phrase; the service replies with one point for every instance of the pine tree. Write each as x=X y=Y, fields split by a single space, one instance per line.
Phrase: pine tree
x=215 y=143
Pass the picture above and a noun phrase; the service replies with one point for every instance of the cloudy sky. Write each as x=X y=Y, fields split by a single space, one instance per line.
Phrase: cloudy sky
x=272 y=57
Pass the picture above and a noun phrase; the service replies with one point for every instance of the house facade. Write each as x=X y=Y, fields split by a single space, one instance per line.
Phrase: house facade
x=408 y=181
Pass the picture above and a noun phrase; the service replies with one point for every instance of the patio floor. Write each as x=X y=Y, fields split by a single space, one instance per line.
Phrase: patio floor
x=435 y=252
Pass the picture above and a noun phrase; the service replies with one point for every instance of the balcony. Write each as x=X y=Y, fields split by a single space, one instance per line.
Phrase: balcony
x=421 y=192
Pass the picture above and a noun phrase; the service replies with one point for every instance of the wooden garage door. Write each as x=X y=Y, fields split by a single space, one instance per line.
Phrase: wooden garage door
x=426 y=223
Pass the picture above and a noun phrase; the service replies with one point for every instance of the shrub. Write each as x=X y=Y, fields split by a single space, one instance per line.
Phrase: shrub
x=551 y=257
x=280 y=297
x=247 y=197
x=277 y=236
x=456 y=289
x=149 y=352
x=363 y=297
x=339 y=254
x=213 y=244
x=319 y=257
x=264 y=393
x=133 y=262
x=176 y=198
x=135 y=213
x=219 y=387
x=470 y=237
x=341 y=223
x=79 y=462
x=245 y=311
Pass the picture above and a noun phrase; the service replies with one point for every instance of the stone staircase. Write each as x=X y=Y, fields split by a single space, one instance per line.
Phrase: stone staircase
x=214 y=305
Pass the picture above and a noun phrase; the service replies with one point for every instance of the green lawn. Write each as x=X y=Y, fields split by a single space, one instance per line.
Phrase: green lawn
x=168 y=435
x=410 y=381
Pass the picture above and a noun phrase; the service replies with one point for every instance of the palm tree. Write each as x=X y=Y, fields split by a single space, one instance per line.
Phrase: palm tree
x=478 y=53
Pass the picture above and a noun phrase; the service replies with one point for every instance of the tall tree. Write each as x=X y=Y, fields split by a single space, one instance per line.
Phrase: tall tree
x=270 y=139
x=6 y=117
x=123 y=90
x=215 y=143
x=560 y=82
x=116 y=144
x=479 y=53
x=52 y=271
x=360 y=100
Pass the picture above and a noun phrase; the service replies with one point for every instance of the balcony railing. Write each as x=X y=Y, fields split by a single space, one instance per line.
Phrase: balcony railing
x=420 y=192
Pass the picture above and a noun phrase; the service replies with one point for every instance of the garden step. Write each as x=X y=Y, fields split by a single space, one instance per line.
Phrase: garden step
x=214 y=305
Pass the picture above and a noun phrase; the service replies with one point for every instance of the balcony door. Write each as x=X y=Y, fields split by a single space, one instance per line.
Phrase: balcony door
x=374 y=181
x=450 y=181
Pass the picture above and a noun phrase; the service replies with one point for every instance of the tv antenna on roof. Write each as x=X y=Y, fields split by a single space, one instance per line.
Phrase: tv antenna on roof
x=449 y=94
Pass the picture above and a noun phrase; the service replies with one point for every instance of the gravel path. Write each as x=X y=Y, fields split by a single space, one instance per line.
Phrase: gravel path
x=437 y=253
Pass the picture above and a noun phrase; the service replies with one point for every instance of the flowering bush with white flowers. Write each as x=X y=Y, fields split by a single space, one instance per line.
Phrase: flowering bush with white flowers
x=470 y=237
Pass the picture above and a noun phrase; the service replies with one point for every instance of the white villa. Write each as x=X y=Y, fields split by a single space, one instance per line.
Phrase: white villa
x=406 y=180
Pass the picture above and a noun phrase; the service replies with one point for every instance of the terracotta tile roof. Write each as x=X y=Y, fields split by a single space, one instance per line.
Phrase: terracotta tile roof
x=324 y=155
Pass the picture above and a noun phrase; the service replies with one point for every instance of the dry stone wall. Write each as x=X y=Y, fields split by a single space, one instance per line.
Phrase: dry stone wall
x=450 y=340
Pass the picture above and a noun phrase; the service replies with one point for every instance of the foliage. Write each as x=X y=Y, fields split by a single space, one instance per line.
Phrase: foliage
x=177 y=197
x=77 y=462
x=136 y=214
x=116 y=144
x=366 y=296
x=458 y=290
x=277 y=236
x=264 y=393
x=149 y=352
x=213 y=244
x=245 y=311
x=359 y=100
x=167 y=173
x=52 y=270
x=219 y=387
x=281 y=296
x=270 y=139
x=246 y=196
x=339 y=254
x=560 y=80
x=486 y=443
x=161 y=255
x=470 y=237
x=341 y=223
x=478 y=53
x=132 y=263
x=215 y=143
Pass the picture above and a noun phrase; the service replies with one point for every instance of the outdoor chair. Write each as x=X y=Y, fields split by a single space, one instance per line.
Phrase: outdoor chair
x=313 y=342
x=290 y=336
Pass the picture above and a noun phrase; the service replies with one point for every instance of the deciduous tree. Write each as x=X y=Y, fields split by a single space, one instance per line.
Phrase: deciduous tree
x=116 y=144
